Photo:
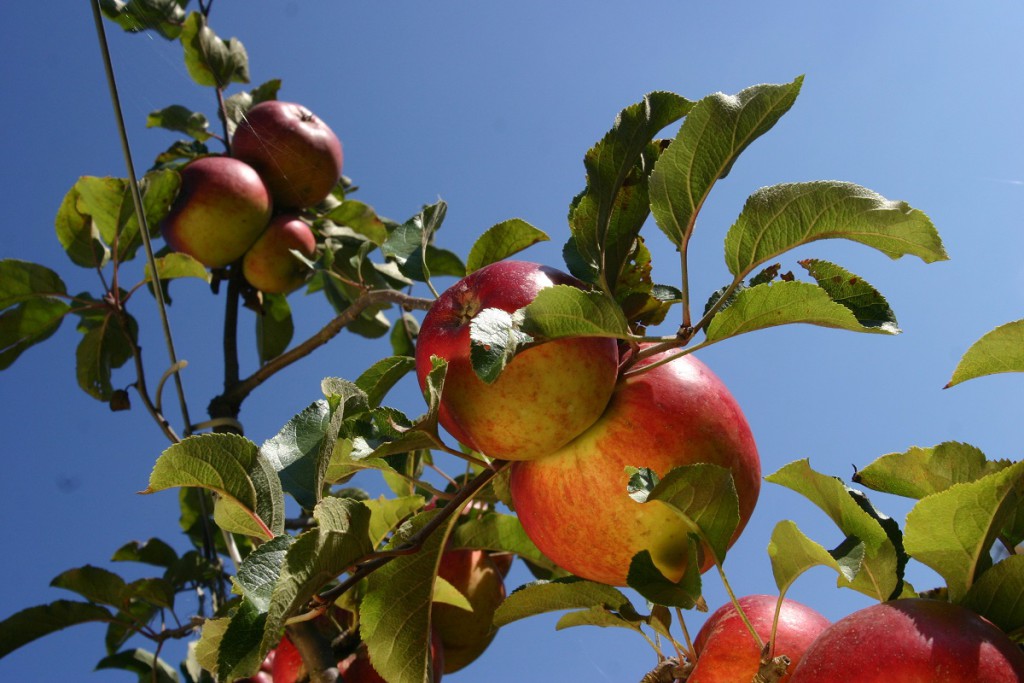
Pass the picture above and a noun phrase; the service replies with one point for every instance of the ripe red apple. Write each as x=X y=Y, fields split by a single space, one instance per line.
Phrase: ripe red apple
x=914 y=640
x=269 y=265
x=287 y=665
x=573 y=504
x=726 y=652
x=465 y=635
x=221 y=209
x=357 y=668
x=545 y=397
x=297 y=154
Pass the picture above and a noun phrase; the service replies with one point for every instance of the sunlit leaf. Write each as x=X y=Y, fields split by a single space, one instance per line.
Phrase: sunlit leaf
x=163 y=16
x=792 y=554
x=567 y=311
x=259 y=572
x=382 y=376
x=854 y=292
x=182 y=120
x=502 y=241
x=361 y=219
x=210 y=60
x=919 y=472
x=1001 y=350
x=998 y=594
x=300 y=451
x=561 y=594
x=176 y=265
x=498 y=532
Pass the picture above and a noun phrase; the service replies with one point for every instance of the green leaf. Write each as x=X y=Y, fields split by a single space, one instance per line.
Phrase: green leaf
x=300 y=452
x=95 y=584
x=409 y=245
x=1001 y=350
x=274 y=327
x=792 y=554
x=403 y=335
x=28 y=324
x=998 y=594
x=387 y=513
x=646 y=579
x=501 y=241
x=880 y=576
x=176 y=265
x=22 y=281
x=500 y=533
x=398 y=640
x=259 y=572
x=379 y=378
x=106 y=345
x=210 y=60
x=551 y=596
x=953 y=531
x=78 y=234
x=361 y=219
x=233 y=467
x=163 y=16
x=495 y=337
x=32 y=623
x=182 y=120
x=154 y=551
x=779 y=218
x=716 y=130
x=784 y=303
x=148 y=667
x=597 y=616
x=606 y=217
x=567 y=311
x=208 y=647
x=920 y=472
x=852 y=291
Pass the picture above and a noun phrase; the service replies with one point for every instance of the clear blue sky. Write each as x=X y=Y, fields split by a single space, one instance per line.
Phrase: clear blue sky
x=491 y=107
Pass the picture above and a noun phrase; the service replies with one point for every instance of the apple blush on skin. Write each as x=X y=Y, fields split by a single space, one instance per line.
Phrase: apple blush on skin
x=546 y=396
x=220 y=211
x=573 y=503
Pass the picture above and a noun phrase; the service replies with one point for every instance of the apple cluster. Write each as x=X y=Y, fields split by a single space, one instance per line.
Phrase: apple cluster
x=572 y=425
x=248 y=205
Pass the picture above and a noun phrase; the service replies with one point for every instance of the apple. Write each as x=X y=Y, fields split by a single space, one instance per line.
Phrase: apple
x=287 y=665
x=357 y=668
x=726 y=652
x=573 y=503
x=221 y=209
x=546 y=396
x=913 y=640
x=269 y=265
x=297 y=154
x=465 y=635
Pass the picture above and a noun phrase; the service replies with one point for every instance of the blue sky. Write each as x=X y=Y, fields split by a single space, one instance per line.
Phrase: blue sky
x=491 y=107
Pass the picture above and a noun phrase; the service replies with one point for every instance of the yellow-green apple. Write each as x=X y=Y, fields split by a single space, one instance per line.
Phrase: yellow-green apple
x=727 y=652
x=574 y=503
x=913 y=640
x=297 y=154
x=547 y=395
x=465 y=635
x=221 y=209
x=269 y=265
x=357 y=667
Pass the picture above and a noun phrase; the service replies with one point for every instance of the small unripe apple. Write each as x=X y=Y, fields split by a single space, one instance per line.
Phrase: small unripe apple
x=297 y=154
x=269 y=265
x=574 y=503
x=913 y=640
x=726 y=651
x=546 y=396
x=221 y=209
x=465 y=635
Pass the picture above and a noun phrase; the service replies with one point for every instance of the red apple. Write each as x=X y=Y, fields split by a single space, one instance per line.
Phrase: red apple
x=297 y=154
x=287 y=665
x=726 y=652
x=545 y=397
x=573 y=504
x=357 y=668
x=914 y=640
x=269 y=265
x=465 y=635
x=221 y=209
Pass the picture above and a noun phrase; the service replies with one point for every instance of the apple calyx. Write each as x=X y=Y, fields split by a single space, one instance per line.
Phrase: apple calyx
x=772 y=668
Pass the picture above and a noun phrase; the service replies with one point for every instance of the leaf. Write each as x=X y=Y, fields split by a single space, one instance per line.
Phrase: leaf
x=300 y=452
x=259 y=572
x=716 y=130
x=500 y=533
x=567 y=311
x=28 y=324
x=233 y=467
x=379 y=378
x=1001 y=350
x=176 y=265
x=163 y=16
x=494 y=338
x=783 y=303
x=154 y=551
x=32 y=623
x=409 y=245
x=22 y=281
x=398 y=639
x=403 y=335
x=210 y=60
x=597 y=616
x=880 y=576
x=606 y=217
x=274 y=327
x=182 y=120
x=779 y=218
x=387 y=513
x=77 y=233
x=646 y=579
x=502 y=241
x=953 y=531
x=792 y=554
x=920 y=472
x=864 y=301
x=107 y=344
x=447 y=594
x=149 y=667
x=998 y=594
x=551 y=596
x=361 y=219
x=95 y=584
